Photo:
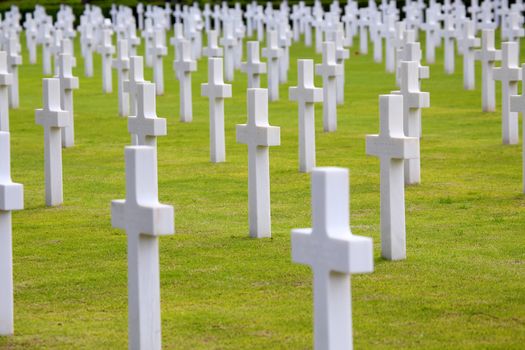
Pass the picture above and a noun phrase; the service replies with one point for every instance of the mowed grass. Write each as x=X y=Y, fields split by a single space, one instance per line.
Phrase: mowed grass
x=461 y=287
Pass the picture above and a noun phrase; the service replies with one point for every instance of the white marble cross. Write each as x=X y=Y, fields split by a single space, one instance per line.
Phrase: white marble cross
x=216 y=91
x=413 y=101
x=509 y=74
x=259 y=136
x=106 y=50
x=89 y=45
x=212 y=50
x=517 y=105
x=68 y=83
x=468 y=42
x=487 y=55
x=449 y=36
x=306 y=94
x=14 y=59
x=329 y=70
x=273 y=53
x=392 y=147
x=144 y=219
x=178 y=35
x=284 y=41
x=11 y=198
x=333 y=253
x=53 y=119
x=46 y=49
x=145 y=126
x=121 y=64
x=136 y=76
x=228 y=41
x=253 y=66
x=183 y=66
x=158 y=51
x=341 y=55
x=6 y=79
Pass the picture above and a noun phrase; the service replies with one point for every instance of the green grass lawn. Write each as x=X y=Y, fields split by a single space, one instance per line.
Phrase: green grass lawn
x=461 y=287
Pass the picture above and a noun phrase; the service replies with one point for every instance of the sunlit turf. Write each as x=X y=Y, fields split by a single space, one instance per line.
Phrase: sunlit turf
x=461 y=287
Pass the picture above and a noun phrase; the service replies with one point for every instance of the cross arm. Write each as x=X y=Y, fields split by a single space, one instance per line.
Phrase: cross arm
x=309 y=95
x=6 y=79
x=147 y=126
x=352 y=254
x=57 y=119
x=392 y=147
x=69 y=83
x=151 y=220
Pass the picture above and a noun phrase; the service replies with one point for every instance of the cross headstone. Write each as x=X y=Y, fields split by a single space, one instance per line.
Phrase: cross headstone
x=273 y=53
x=212 y=50
x=158 y=51
x=259 y=136
x=449 y=36
x=145 y=126
x=68 y=83
x=89 y=45
x=144 y=219
x=53 y=119
x=14 y=59
x=11 y=198
x=136 y=76
x=306 y=94
x=333 y=253
x=509 y=74
x=216 y=91
x=228 y=41
x=329 y=70
x=517 y=105
x=487 y=55
x=392 y=147
x=183 y=66
x=46 y=49
x=121 y=64
x=413 y=101
x=6 y=79
x=341 y=55
x=253 y=67
x=468 y=42
x=106 y=51
x=284 y=41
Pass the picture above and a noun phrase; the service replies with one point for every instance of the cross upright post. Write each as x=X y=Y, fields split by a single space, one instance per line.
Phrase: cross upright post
x=6 y=79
